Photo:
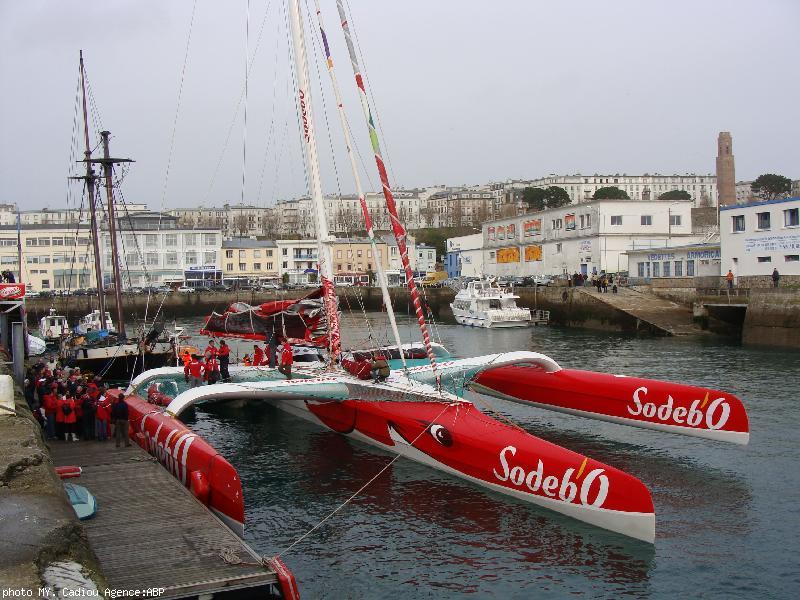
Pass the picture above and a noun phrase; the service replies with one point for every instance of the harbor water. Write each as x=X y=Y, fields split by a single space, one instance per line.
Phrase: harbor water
x=726 y=515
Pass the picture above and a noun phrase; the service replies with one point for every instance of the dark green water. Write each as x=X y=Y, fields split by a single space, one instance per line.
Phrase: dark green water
x=726 y=516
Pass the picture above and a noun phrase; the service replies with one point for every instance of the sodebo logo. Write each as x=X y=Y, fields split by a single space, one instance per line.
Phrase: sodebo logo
x=594 y=484
x=715 y=416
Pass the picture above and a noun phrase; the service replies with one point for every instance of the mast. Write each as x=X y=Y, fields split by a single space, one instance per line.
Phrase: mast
x=324 y=238
x=398 y=228
x=108 y=164
x=22 y=312
x=90 y=190
x=381 y=275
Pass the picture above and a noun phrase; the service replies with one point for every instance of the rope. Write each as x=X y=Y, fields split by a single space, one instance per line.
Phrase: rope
x=246 y=88
x=356 y=493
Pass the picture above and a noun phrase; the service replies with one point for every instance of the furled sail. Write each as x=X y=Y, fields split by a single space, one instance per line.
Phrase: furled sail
x=300 y=319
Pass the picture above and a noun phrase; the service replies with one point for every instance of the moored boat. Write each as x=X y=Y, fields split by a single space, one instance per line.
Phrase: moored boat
x=486 y=303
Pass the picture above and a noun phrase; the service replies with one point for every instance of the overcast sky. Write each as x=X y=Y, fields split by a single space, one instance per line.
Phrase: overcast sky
x=466 y=92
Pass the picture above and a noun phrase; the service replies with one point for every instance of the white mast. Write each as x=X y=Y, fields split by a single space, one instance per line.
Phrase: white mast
x=324 y=238
x=381 y=275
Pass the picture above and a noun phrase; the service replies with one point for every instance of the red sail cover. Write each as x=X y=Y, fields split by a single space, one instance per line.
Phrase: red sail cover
x=303 y=318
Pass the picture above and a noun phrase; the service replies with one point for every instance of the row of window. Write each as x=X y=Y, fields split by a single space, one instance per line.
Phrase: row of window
x=786 y=258
x=152 y=259
x=243 y=254
x=665 y=269
x=791 y=218
x=359 y=267
x=256 y=266
x=47 y=241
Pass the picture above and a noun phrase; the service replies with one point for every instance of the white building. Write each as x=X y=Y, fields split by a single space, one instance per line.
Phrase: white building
x=154 y=249
x=757 y=238
x=297 y=260
x=581 y=188
x=465 y=256
x=589 y=237
x=426 y=258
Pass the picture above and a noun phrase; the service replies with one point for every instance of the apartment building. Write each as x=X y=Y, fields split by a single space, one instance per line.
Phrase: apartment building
x=248 y=259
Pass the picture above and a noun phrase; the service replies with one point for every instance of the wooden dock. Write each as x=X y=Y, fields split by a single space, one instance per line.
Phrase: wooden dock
x=150 y=532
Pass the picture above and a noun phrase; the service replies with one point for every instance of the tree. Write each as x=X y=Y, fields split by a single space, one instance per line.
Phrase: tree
x=771 y=187
x=556 y=197
x=610 y=193
x=535 y=198
x=675 y=195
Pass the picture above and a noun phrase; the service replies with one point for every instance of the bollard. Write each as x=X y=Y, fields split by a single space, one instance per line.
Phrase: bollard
x=18 y=351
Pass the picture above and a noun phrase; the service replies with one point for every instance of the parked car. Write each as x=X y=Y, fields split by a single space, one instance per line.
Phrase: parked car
x=32 y=294
x=185 y=289
x=80 y=292
x=269 y=286
x=220 y=288
x=542 y=280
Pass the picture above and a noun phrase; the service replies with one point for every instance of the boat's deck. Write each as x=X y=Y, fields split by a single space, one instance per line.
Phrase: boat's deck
x=150 y=532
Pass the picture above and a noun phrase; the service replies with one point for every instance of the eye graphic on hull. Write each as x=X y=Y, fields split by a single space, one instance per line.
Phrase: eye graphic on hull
x=441 y=434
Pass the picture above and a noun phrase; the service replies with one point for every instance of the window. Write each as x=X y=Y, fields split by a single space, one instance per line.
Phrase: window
x=242 y=254
x=369 y=253
x=285 y=264
x=491 y=255
x=656 y=269
x=191 y=258
x=647 y=219
x=256 y=253
x=152 y=259
x=189 y=239
x=269 y=253
x=675 y=220
x=640 y=269
x=763 y=259
x=151 y=241
x=58 y=241
x=171 y=240
x=738 y=223
x=616 y=219
x=256 y=266
x=791 y=217
x=228 y=253
x=209 y=239
x=44 y=241
x=339 y=266
x=792 y=257
x=665 y=269
x=338 y=254
x=558 y=248
x=229 y=266
x=763 y=220
x=209 y=258
x=360 y=253
x=690 y=268
x=172 y=259
x=31 y=242
x=242 y=266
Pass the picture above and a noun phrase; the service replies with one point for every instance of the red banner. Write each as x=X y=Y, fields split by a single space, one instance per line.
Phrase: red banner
x=12 y=291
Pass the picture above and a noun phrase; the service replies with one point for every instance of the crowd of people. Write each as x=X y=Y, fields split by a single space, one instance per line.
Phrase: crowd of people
x=71 y=405
x=602 y=281
x=213 y=365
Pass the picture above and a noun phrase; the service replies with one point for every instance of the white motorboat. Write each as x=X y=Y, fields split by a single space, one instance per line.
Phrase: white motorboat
x=486 y=303
x=53 y=327
x=91 y=322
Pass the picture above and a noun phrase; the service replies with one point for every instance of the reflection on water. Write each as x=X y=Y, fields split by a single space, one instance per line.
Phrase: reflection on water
x=721 y=510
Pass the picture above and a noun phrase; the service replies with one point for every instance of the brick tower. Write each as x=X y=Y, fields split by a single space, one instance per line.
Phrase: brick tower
x=726 y=176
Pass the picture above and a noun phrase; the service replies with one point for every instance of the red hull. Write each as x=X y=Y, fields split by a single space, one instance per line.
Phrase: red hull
x=667 y=406
x=459 y=439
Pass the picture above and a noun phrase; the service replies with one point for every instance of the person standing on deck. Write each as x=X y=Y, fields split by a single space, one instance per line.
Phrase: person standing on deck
x=102 y=416
x=50 y=404
x=729 y=279
x=193 y=372
x=211 y=350
x=119 y=414
x=776 y=277
x=258 y=356
x=287 y=359
x=224 y=355
x=69 y=417
x=211 y=369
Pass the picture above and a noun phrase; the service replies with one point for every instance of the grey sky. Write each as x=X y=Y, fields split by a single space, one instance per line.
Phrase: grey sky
x=467 y=92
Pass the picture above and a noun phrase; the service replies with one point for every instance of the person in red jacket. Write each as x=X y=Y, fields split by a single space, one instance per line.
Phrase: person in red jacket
x=193 y=372
x=50 y=404
x=102 y=418
x=68 y=407
x=258 y=355
x=211 y=350
x=211 y=369
x=224 y=355
x=287 y=359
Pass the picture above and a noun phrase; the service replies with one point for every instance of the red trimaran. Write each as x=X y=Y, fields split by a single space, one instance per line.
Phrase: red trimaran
x=420 y=412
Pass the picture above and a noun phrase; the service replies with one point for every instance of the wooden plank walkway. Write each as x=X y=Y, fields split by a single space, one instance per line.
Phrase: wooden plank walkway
x=150 y=532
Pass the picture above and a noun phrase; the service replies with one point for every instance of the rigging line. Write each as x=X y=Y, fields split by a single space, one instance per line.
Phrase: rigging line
x=246 y=94
x=376 y=113
x=235 y=113
x=358 y=491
